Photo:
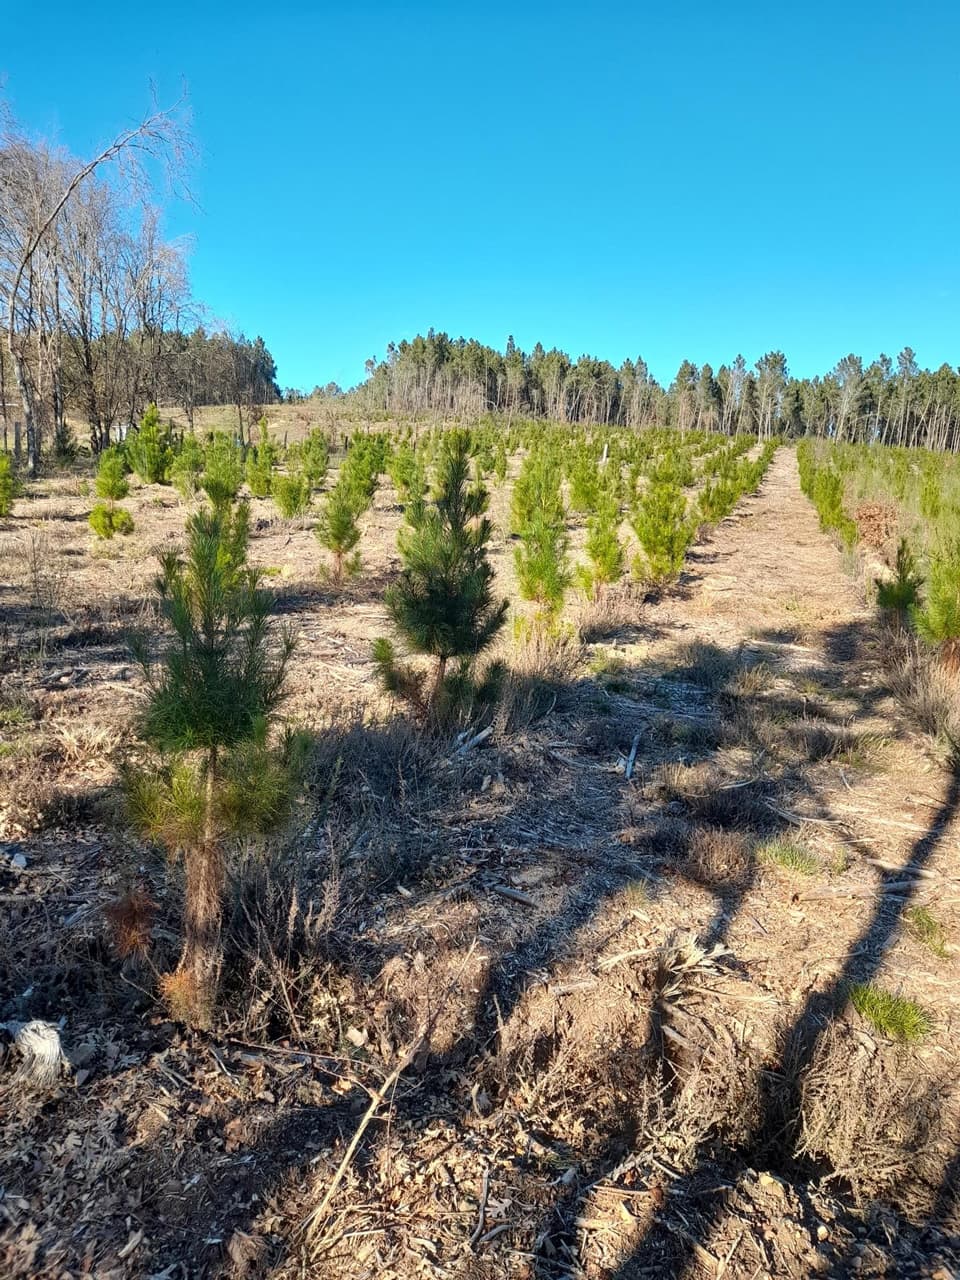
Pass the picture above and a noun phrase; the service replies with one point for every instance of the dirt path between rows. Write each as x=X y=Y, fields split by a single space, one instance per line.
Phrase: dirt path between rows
x=642 y=1060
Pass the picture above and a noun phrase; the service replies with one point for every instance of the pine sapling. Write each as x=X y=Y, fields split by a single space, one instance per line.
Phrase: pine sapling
x=442 y=604
x=111 y=479
x=260 y=463
x=603 y=546
x=211 y=701
x=291 y=493
x=8 y=485
x=111 y=483
x=938 y=619
x=660 y=522
x=187 y=467
x=313 y=457
x=149 y=449
x=223 y=470
x=899 y=596
x=338 y=531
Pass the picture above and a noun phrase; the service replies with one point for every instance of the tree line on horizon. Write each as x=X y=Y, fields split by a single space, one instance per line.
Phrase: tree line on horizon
x=893 y=402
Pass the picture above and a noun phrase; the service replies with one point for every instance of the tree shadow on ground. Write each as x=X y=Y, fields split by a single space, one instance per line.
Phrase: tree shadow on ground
x=283 y=1151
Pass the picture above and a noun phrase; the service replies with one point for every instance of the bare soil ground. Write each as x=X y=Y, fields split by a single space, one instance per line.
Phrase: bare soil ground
x=640 y=1059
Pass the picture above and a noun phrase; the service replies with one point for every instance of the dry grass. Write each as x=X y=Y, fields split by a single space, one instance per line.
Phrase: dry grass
x=706 y=665
x=617 y=610
x=538 y=670
x=873 y=1118
x=717 y=857
x=926 y=688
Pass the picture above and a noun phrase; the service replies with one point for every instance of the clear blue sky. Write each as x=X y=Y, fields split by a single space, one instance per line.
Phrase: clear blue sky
x=676 y=181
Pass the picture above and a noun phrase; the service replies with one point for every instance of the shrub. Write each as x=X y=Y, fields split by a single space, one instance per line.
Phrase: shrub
x=442 y=604
x=149 y=450
x=111 y=481
x=291 y=493
x=106 y=520
x=211 y=701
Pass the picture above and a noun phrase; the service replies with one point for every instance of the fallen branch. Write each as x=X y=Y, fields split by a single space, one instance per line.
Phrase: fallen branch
x=482 y=1216
x=632 y=758
x=475 y=741
x=513 y=894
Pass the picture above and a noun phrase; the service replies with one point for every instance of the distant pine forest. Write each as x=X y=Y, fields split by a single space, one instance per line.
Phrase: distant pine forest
x=892 y=402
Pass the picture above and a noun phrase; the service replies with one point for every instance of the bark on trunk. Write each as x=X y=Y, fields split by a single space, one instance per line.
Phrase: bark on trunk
x=201 y=960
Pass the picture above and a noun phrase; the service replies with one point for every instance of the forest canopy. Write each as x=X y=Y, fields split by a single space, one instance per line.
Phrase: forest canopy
x=890 y=401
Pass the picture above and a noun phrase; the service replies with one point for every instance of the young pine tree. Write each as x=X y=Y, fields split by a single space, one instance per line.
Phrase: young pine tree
x=211 y=701
x=111 y=480
x=543 y=569
x=603 y=546
x=313 y=457
x=408 y=473
x=442 y=604
x=111 y=483
x=338 y=531
x=187 y=467
x=149 y=449
x=660 y=522
x=538 y=516
x=899 y=596
x=223 y=470
x=291 y=493
x=938 y=620
x=260 y=463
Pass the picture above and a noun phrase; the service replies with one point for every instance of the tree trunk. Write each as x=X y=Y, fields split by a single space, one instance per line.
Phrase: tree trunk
x=438 y=682
x=202 y=957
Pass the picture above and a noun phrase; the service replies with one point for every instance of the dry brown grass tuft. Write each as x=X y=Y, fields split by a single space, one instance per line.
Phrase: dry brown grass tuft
x=79 y=743
x=184 y=999
x=716 y=857
x=131 y=920
x=539 y=668
x=927 y=689
x=706 y=665
x=873 y=1116
x=616 y=610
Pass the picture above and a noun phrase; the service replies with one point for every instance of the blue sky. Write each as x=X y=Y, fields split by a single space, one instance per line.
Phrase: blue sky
x=673 y=181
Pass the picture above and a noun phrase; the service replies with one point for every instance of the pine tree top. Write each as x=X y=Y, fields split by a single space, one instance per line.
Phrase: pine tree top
x=221 y=679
